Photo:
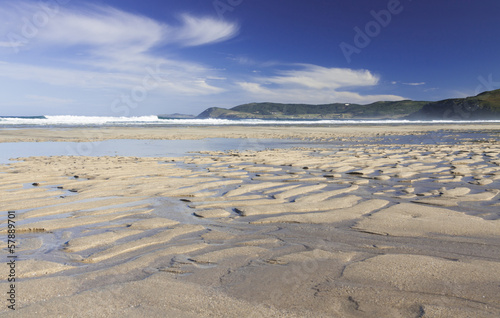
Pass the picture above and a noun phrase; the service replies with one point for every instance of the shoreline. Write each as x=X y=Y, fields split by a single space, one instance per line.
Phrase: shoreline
x=363 y=230
x=191 y=132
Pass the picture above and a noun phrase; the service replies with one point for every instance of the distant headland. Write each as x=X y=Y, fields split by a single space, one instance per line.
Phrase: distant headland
x=483 y=106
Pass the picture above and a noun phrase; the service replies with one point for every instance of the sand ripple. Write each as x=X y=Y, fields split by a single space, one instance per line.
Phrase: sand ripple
x=361 y=231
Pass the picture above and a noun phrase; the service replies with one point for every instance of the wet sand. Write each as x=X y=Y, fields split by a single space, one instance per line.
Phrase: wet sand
x=369 y=230
x=315 y=133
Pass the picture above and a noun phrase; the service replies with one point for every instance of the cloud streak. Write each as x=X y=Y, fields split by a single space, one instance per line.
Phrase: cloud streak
x=415 y=84
x=94 y=25
x=103 y=26
x=114 y=48
x=50 y=100
x=107 y=52
x=317 y=77
x=200 y=31
x=315 y=84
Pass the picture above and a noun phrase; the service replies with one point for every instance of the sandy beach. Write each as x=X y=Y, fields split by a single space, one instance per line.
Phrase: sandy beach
x=370 y=229
x=85 y=134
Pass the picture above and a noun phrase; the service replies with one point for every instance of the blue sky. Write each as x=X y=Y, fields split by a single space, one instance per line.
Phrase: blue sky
x=132 y=58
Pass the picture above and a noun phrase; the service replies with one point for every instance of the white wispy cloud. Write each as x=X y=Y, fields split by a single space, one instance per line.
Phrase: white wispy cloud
x=199 y=31
x=431 y=89
x=318 y=77
x=95 y=48
x=50 y=100
x=10 y=44
x=415 y=84
x=95 y=25
x=165 y=80
x=248 y=61
x=315 y=84
x=114 y=47
x=103 y=26
x=66 y=77
x=112 y=27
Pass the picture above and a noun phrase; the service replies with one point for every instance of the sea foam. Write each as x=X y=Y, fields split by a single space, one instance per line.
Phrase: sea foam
x=67 y=120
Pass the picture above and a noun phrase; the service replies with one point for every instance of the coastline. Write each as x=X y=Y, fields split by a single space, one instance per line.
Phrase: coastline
x=363 y=230
x=89 y=134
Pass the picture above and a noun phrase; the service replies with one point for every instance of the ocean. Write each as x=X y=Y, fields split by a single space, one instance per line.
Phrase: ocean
x=153 y=120
x=168 y=148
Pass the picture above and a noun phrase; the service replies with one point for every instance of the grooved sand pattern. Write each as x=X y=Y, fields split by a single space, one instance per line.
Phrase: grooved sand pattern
x=363 y=230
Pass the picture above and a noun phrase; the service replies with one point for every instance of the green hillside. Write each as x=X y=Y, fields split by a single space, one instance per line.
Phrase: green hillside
x=483 y=106
x=304 y=111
